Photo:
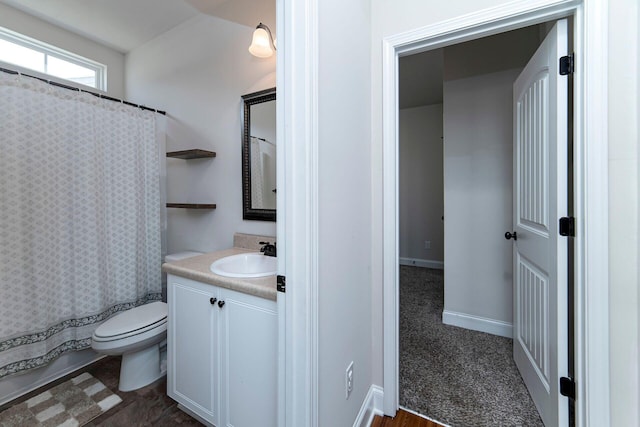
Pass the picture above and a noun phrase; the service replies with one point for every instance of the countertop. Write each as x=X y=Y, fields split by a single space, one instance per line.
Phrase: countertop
x=197 y=268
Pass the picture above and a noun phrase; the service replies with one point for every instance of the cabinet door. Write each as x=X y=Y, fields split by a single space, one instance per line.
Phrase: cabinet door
x=248 y=345
x=192 y=357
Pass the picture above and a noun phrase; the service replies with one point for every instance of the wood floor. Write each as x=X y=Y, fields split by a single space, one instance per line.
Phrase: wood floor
x=403 y=419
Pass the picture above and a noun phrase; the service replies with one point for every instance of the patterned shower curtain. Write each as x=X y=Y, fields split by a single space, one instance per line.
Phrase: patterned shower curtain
x=257 y=183
x=80 y=217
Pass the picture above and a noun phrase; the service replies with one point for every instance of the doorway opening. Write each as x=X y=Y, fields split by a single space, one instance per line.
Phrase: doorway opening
x=456 y=194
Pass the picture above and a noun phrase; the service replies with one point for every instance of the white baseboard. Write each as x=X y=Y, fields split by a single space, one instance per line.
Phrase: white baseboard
x=371 y=407
x=425 y=263
x=477 y=323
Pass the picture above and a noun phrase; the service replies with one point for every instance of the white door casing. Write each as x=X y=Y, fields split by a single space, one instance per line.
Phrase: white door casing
x=590 y=184
x=540 y=199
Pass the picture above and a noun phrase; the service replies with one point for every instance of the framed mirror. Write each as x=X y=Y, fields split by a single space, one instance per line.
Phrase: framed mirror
x=259 y=155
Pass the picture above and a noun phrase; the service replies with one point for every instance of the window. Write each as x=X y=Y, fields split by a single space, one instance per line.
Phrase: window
x=32 y=54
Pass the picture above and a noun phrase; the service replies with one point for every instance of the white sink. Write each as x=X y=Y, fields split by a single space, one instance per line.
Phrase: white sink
x=245 y=265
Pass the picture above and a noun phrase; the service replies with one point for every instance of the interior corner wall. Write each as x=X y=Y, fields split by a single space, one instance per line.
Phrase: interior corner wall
x=421 y=185
x=38 y=29
x=197 y=72
x=478 y=197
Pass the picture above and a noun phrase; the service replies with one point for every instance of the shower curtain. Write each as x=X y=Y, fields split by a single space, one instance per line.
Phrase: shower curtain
x=263 y=154
x=80 y=217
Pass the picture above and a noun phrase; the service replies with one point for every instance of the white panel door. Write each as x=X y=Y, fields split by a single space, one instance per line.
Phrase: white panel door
x=540 y=199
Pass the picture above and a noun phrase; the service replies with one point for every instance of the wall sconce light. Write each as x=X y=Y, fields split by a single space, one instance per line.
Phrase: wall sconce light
x=262 y=43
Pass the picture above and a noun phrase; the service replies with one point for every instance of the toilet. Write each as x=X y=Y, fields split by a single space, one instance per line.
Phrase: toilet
x=137 y=334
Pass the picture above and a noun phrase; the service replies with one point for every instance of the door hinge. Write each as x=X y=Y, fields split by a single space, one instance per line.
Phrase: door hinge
x=568 y=387
x=566 y=65
x=567 y=226
x=282 y=284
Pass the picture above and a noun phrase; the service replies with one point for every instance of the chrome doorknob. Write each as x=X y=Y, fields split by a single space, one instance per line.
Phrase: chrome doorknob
x=509 y=235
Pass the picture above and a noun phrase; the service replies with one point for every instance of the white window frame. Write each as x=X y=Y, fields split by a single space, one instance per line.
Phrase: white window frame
x=49 y=50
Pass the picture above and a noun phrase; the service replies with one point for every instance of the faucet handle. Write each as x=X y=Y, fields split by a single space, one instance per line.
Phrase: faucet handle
x=268 y=248
x=266 y=245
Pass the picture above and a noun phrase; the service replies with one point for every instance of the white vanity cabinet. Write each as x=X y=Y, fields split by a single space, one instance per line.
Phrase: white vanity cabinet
x=222 y=354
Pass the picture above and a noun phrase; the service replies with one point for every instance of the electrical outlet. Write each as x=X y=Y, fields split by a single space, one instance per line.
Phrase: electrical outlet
x=348 y=380
x=427 y=244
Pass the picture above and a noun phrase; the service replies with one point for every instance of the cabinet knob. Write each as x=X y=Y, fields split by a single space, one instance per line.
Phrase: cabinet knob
x=213 y=300
x=220 y=304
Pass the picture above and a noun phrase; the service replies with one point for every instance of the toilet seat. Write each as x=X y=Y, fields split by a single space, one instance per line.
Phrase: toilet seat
x=136 y=321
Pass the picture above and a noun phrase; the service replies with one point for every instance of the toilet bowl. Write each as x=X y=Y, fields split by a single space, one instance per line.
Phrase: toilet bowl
x=136 y=334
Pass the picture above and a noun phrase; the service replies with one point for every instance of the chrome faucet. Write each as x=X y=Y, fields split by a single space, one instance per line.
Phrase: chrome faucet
x=268 y=249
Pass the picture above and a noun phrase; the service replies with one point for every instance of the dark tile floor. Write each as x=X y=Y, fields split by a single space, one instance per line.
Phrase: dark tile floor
x=148 y=406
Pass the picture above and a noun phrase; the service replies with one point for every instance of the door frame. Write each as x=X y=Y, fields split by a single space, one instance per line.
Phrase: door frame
x=590 y=183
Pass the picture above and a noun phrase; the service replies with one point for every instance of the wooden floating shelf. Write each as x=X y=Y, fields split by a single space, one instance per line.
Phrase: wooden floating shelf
x=191 y=154
x=191 y=205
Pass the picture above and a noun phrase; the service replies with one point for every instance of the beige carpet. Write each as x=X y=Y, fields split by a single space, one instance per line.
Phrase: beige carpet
x=71 y=404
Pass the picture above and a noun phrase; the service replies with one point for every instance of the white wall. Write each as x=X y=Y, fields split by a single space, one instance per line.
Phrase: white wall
x=344 y=207
x=390 y=18
x=38 y=29
x=198 y=72
x=421 y=183
x=478 y=196
x=623 y=212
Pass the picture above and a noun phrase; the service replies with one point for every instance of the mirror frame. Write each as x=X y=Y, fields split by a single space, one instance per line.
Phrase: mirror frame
x=250 y=99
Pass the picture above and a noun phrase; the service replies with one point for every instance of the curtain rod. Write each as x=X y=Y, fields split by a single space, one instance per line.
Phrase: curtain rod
x=99 y=95
x=262 y=139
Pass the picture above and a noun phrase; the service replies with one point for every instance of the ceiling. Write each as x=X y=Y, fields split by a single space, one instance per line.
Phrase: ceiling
x=420 y=77
x=126 y=24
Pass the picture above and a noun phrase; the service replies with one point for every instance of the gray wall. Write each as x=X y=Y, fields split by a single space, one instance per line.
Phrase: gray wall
x=421 y=184
x=344 y=207
x=200 y=84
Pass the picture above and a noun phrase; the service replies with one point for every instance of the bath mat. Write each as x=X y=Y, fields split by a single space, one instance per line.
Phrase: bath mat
x=71 y=404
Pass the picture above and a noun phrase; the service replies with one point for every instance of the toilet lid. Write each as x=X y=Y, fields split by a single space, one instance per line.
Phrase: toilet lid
x=132 y=320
